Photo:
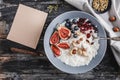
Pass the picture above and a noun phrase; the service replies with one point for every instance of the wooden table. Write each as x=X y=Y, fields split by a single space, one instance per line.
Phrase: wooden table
x=18 y=66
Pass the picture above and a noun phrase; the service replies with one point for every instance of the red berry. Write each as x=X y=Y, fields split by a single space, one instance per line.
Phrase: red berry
x=82 y=28
x=90 y=31
x=74 y=51
x=88 y=35
x=91 y=27
x=86 y=28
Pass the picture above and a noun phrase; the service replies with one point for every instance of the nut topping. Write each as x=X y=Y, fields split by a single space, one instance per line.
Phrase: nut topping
x=78 y=33
x=73 y=43
x=81 y=39
x=78 y=41
x=82 y=51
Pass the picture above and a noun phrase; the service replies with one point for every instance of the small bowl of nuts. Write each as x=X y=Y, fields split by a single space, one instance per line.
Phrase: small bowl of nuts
x=100 y=6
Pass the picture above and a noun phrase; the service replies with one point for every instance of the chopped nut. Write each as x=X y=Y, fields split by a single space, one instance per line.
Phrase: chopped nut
x=84 y=53
x=81 y=39
x=83 y=49
x=73 y=43
x=78 y=41
x=80 y=51
x=112 y=18
x=78 y=33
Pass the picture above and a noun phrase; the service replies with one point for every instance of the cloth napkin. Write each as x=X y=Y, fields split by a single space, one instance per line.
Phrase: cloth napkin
x=104 y=20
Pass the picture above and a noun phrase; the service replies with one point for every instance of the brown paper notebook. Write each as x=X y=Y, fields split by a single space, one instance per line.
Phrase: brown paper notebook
x=27 y=26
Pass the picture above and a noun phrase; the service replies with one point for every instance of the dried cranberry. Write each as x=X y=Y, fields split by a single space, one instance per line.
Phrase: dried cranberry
x=74 y=51
x=82 y=19
x=83 y=32
x=92 y=43
x=87 y=24
x=90 y=31
x=82 y=28
x=88 y=41
x=86 y=28
x=79 y=23
x=91 y=28
x=88 y=35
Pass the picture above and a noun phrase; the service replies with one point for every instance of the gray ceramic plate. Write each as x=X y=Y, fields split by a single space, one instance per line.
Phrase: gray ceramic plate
x=60 y=65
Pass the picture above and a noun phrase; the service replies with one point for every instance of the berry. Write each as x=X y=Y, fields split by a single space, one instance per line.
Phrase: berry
x=82 y=28
x=88 y=35
x=73 y=31
x=74 y=21
x=82 y=19
x=74 y=51
x=96 y=30
x=86 y=28
x=68 y=25
x=90 y=31
x=75 y=35
x=67 y=20
x=76 y=28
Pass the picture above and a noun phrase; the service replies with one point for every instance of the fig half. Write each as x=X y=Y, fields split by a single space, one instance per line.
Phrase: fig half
x=54 y=38
x=55 y=50
x=64 y=32
x=64 y=45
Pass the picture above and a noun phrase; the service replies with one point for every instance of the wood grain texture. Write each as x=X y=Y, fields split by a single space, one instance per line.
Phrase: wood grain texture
x=16 y=66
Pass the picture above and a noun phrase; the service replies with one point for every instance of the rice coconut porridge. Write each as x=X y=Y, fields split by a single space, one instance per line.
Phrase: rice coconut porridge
x=73 y=42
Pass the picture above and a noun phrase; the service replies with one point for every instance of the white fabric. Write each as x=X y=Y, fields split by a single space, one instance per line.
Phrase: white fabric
x=104 y=20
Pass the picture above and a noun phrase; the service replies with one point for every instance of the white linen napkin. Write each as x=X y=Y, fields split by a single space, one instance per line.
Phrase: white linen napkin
x=104 y=20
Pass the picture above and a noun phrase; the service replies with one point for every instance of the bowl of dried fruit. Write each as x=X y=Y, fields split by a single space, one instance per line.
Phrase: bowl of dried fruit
x=69 y=42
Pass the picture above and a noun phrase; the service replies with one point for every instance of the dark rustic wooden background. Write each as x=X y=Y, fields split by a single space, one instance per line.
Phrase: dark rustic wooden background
x=18 y=66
